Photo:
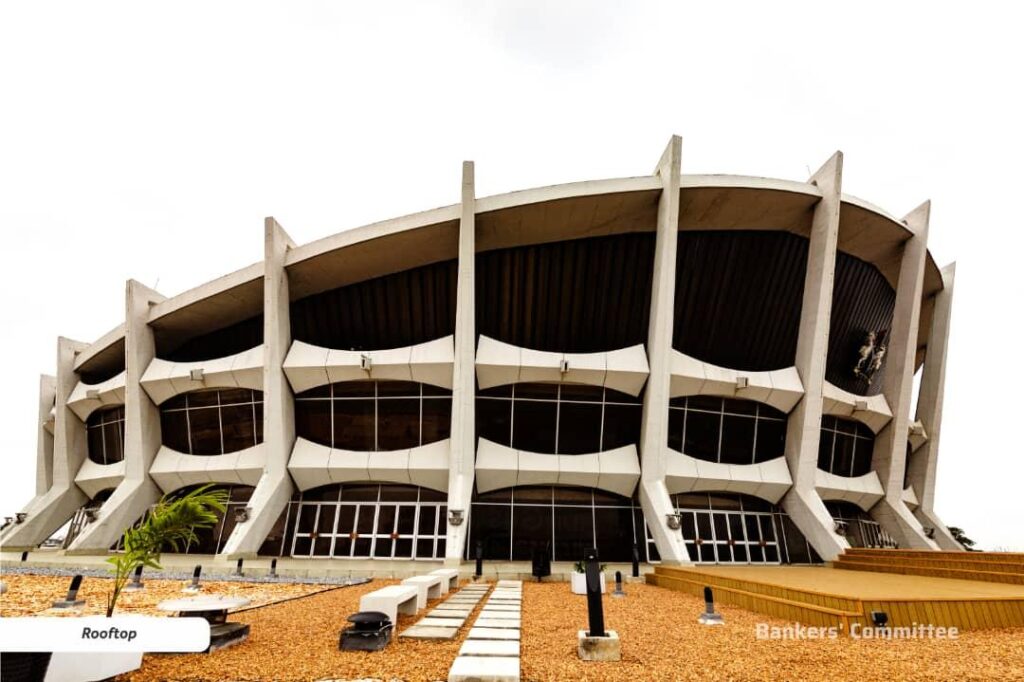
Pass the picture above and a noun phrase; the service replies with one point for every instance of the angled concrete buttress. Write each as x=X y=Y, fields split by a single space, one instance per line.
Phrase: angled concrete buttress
x=275 y=487
x=803 y=428
x=57 y=497
x=463 y=438
x=654 y=453
x=889 y=457
x=924 y=461
x=137 y=492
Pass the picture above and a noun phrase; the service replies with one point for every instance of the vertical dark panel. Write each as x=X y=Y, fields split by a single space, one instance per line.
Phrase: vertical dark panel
x=862 y=301
x=738 y=297
x=230 y=340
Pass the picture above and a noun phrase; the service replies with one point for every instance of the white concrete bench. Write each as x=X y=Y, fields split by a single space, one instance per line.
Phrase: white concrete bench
x=428 y=587
x=450 y=579
x=392 y=600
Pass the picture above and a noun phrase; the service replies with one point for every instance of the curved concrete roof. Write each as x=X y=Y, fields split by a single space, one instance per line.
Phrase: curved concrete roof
x=543 y=214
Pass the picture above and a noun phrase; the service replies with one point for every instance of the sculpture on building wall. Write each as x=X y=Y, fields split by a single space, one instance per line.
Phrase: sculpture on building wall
x=870 y=356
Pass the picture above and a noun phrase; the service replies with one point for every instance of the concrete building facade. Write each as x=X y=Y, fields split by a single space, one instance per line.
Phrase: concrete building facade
x=693 y=368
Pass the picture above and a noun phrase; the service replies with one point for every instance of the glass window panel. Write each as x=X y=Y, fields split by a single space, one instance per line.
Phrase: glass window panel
x=313 y=420
x=614 y=530
x=736 y=527
x=174 y=431
x=701 y=438
x=258 y=421
x=707 y=552
x=692 y=500
x=437 y=419
x=675 y=429
x=580 y=392
x=403 y=548
x=771 y=553
x=322 y=546
x=842 y=456
x=574 y=532
x=203 y=398
x=398 y=493
x=342 y=546
x=724 y=552
x=325 y=524
x=703 y=526
x=491 y=525
x=494 y=420
x=398 y=423
x=302 y=546
x=737 y=440
x=603 y=498
x=386 y=519
x=735 y=406
x=361 y=547
x=346 y=519
x=404 y=389
x=175 y=403
x=354 y=389
x=425 y=549
x=428 y=495
x=688 y=525
x=382 y=548
x=579 y=428
x=429 y=390
x=538 y=391
x=357 y=492
x=724 y=502
x=354 y=424
x=756 y=553
x=427 y=523
x=825 y=450
x=241 y=493
x=621 y=426
x=496 y=391
x=613 y=396
x=679 y=403
x=751 y=503
x=534 y=426
x=503 y=495
x=205 y=431
x=326 y=493
x=234 y=396
x=771 y=440
x=237 y=423
x=441 y=544
x=862 y=457
x=531 y=531
x=112 y=441
x=739 y=552
x=571 y=495
x=273 y=543
x=318 y=392
x=307 y=518
x=96 y=453
x=364 y=519
x=528 y=494
x=795 y=542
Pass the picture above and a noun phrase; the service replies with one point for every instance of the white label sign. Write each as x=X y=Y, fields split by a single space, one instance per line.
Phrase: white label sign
x=99 y=634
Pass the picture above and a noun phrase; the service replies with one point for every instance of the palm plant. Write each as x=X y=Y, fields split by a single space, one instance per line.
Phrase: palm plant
x=171 y=524
x=959 y=535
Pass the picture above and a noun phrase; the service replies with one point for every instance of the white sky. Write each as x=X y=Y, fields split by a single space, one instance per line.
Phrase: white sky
x=148 y=141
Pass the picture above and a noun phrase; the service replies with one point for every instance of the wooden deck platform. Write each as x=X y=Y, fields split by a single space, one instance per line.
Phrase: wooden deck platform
x=815 y=595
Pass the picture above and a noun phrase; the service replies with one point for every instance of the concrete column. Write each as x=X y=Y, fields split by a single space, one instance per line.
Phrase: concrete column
x=924 y=462
x=890 y=452
x=461 y=471
x=44 y=439
x=55 y=507
x=803 y=428
x=137 y=492
x=275 y=488
x=654 y=496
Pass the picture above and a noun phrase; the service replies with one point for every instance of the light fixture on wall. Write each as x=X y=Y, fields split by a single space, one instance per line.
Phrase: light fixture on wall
x=242 y=514
x=673 y=521
x=565 y=366
x=929 y=532
x=456 y=516
x=19 y=517
x=92 y=394
x=366 y=362
x=840 y=527
x=91 y=514
x=196 y=374
x=860 y=406
x=742 y=382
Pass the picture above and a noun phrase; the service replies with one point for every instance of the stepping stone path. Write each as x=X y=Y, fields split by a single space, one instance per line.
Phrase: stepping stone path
x=491 y=649
x=445 y=619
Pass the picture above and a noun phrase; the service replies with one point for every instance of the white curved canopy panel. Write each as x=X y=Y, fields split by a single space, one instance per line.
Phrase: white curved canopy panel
x=308 y=366
x=863 y=491
x=313 y=465
x=768 y=480
x=94 y=478
x=872 y=410
x=498 y=364
x=498 y=466
x=87 y=398
x=172 y=469
x=780 y=388
x=164 y=379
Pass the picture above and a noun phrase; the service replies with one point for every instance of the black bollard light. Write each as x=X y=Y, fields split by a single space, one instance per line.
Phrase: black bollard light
x=238 y=567
x=618 y=585
x=595 y=607
x=194 y=587
x=709 y=617
x=636 y=561
x=273 y=568
x=136 y=583
x=478 y=552
x=71 y=600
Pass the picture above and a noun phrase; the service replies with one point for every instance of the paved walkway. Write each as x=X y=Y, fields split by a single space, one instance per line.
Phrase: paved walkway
x=445 y=619
x=491 y=650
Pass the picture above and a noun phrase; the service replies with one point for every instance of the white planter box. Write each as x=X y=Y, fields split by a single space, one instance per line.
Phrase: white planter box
x=86 y=667
x=579 y=583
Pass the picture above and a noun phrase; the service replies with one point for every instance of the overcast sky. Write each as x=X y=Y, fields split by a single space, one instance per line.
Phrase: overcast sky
x=148 y=141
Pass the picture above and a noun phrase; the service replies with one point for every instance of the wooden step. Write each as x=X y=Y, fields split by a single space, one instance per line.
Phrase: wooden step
x=935 y=562
x=810 y=597
x=935 y=572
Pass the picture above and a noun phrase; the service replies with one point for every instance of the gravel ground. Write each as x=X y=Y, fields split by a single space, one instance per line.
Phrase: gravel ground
x=30 y=594
x=173 y=575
